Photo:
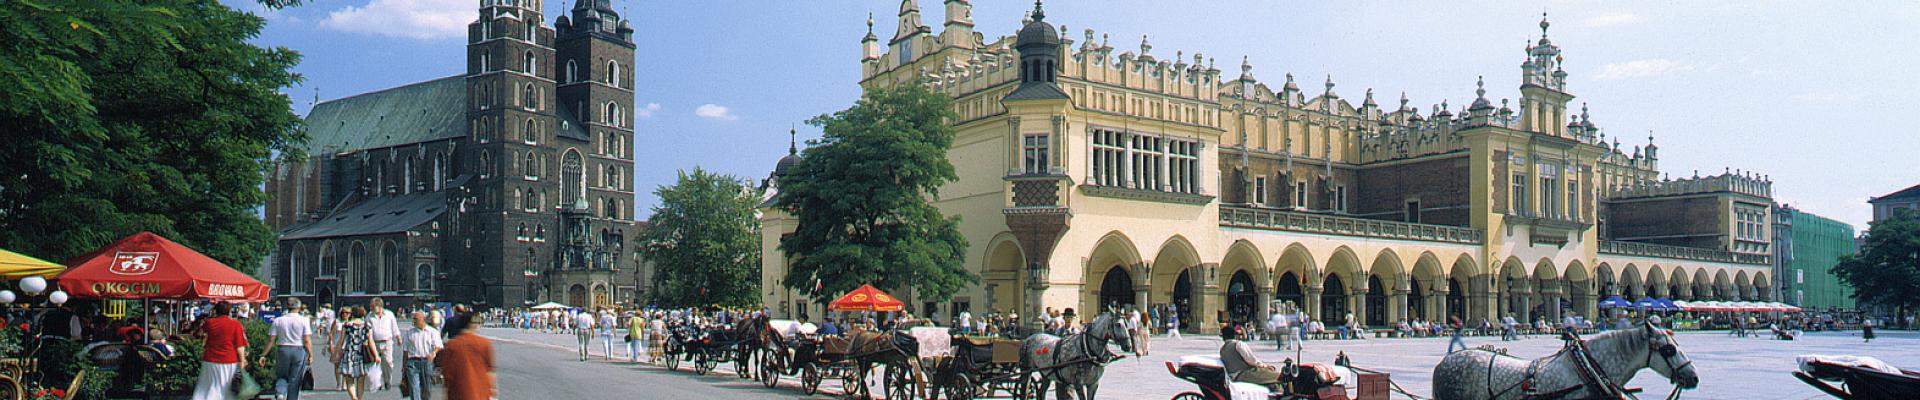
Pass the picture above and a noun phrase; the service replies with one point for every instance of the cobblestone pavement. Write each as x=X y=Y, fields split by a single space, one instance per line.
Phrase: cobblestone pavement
x=539 y=365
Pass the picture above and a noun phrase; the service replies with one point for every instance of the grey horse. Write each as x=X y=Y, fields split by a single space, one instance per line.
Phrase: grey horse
x=1483 y=374
x=1076 y=361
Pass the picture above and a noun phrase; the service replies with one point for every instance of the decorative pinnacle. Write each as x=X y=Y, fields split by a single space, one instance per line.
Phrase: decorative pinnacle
x=1403 y=100
x=1480 y=87
x=1245 y=65
x=793 y=144
x=1544 y=24
x=1038 y=14
x=1144 y=46
x=1329 y=83
x=1583 y=110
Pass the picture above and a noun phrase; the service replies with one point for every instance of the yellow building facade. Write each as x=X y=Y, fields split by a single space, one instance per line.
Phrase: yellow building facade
x=1091 y=180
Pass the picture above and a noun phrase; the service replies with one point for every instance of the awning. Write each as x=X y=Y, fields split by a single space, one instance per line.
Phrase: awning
x=15 y=266
x=147 y=266
x=866 y=298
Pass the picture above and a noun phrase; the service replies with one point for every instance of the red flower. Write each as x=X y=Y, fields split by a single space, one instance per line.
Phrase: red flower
x=61 y=393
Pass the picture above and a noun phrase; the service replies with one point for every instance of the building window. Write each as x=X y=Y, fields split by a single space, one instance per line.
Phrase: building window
x=521 y=235
x=529 y=64
x=530 y=133
x=1033 y=149
x=573 y=69
x=540 y=233
x=613 y=73
x=1573 y=200
x=612 y=178
x=486 y=163
x=530 y=97
x=1108 y=153
x=1300 y=195
x=1549 y=197
x=423 y=277
x=1184 y=163
x=1520 y=198
x=486 y=30
x=1259 y=191
x=1340 y=198
x=1413 y=211
x=530 y=167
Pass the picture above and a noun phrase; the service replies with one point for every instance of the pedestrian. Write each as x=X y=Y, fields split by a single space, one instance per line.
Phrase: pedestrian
x=609 y=328
x=292 y=338
x=1144 y=331
x=466 y=363
x=1459 y=328
x=224 y=352
x=636 y=337
x=656 y=337
x=583 y=330
x=384 y=327
x=1866 y=330
x=1173 y=325
x=419 y=345
x=1510 y=329
x=355 y=353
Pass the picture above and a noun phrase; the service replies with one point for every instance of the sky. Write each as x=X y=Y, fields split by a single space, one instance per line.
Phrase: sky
x=1810 y=94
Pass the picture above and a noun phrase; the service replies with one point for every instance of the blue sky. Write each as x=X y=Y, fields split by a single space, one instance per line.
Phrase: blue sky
x=1812 y=94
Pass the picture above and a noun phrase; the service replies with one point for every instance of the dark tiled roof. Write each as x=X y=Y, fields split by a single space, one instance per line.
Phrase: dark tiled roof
x=378 y=215
x=1903 y=194
x=418 y=112
x=1034 y=91
x=570 y=127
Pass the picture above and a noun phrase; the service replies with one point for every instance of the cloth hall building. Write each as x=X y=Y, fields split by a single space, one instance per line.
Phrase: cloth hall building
x=1091 y=177
x=507 y=184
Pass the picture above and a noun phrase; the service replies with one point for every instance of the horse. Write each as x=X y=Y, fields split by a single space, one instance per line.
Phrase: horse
x=1076 y=361
x=1617 y=356
x=897 y=351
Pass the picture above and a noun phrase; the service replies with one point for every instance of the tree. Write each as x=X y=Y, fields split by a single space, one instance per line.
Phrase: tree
x=1886 y=271
x=861 y=199
x=704 y=242
x=128 y=116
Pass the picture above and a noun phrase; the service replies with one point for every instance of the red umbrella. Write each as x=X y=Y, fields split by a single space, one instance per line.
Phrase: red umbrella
x=866 y=298
x=147 y=266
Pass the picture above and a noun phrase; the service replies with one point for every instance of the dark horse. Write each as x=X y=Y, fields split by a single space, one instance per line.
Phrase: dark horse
x=1616 y=357
x=897 y=351
x=1076 y=361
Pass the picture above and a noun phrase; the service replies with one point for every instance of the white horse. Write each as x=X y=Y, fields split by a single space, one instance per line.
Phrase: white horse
x=1077 y=361
x=1483 y=374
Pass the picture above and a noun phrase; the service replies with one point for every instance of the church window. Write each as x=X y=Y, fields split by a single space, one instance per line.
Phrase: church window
x=483 y=62
x=423 y=277
x=532 y=26
x=540 y=233
x=612 y=209
x=530 y=167
x=572 y=178
x=529 y=64
x=486 y=163
x=530 y=97
x=613 y=73
x=612 y=178
x=486 y=30
x=520 y=235
x=572 y=69
x=529 y=133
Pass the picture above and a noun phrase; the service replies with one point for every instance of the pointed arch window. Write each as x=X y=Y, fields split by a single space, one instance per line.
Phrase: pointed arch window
x=530 y=167
x=529 y=133
x=613 y=73
x=521 y=235
x=529 y=64
x=486 y=163
x=530 y=97
x=572 y=71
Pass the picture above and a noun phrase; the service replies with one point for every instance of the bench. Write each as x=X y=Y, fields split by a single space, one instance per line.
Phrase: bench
x=1383 y=333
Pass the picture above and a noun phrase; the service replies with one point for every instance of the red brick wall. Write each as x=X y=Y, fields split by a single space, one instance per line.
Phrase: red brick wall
x=1443 y=187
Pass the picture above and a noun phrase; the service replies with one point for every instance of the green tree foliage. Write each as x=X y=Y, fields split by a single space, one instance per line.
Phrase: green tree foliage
x=861 y=197
x=1887 y=268
x=124 y=116
x=704 y=242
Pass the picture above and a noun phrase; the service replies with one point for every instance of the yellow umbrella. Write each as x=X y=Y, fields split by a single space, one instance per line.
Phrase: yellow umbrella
x=15 y=266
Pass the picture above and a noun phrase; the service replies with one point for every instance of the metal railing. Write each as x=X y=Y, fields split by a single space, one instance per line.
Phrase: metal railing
x=1686 y=253
x=1254 y=218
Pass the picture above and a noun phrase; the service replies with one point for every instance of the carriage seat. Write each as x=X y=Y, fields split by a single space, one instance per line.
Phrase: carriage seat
x=1325 y=374
x=982 y=341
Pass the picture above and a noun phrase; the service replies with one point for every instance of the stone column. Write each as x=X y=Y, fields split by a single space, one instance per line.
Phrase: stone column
x=1397 y=305
x=1211 y=298
x=1312 y=300
x=1263 y=294
x=1437 y=304
x=1589 y=305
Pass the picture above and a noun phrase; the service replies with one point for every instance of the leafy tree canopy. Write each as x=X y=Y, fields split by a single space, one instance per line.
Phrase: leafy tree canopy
x=1887 y=268
x=123 y=116
x=861 y=195
x=704 y=242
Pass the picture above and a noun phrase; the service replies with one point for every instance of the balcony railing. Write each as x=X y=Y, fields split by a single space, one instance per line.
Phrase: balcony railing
x=1254 y=218
x=1684 y=253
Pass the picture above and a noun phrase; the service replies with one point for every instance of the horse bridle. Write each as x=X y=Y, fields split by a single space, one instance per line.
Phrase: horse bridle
x=1667 y=351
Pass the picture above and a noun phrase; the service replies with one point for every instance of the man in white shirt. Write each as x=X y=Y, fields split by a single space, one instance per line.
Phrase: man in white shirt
x=385 y=327
x=609 y=328
x=420 y=345
x=583 y=329
x=292 y=338
x=1509 y=328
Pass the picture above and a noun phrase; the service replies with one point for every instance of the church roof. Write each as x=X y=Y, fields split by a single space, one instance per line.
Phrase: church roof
x=570 y=127
x=413 y=113
x=378 y=215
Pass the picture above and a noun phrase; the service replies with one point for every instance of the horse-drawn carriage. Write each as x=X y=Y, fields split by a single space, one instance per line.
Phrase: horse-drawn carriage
x=710 y=345
x=978 y=366
x=1297 y=381
x=815 y=359
x=1862 y=378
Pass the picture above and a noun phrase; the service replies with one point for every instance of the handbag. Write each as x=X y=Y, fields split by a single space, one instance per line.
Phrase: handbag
x=306 y=382
x=244 y=387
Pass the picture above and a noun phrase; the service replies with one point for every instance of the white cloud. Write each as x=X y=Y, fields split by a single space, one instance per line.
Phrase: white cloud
x=647 y=112
x=1611 y=19
x=416 y=19
x=1642 y=69
x=715 y=111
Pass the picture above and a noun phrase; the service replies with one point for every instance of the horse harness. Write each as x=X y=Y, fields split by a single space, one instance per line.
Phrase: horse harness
x=1589 y=371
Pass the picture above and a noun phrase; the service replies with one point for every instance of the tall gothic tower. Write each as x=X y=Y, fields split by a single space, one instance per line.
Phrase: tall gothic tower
x=595 y=52
x=510 y=112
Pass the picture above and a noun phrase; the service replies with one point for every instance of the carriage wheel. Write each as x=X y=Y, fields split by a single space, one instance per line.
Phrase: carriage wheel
x=769 y=369
x=853 y=381
x=1033 y=385
x=10 y=388
x=960 y=387
x=810 y=379
x=705 y=363
x=899 y=383
x=673 y=360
